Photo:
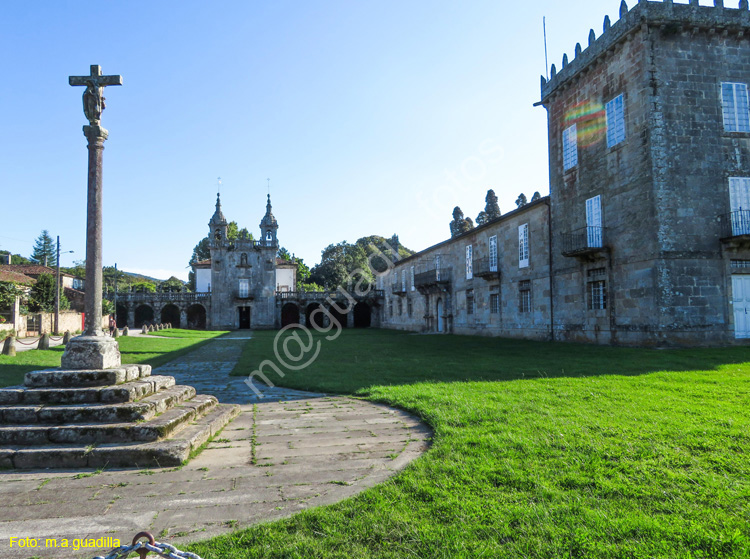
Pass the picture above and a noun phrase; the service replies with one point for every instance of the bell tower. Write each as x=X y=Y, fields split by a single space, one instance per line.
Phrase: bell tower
x=217 y=226
x=269 y=226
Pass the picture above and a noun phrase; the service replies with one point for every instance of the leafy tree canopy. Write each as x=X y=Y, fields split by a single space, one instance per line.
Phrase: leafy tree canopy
x=44 y=250
x=8 y=293
x=42 y=296
x=14 y=258
x=460 y=224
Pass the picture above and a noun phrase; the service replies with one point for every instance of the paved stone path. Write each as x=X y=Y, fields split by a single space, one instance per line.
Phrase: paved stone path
x=290 y=451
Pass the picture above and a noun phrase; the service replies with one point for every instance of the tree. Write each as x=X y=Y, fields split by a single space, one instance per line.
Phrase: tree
x=144 y=287
x=460 y=224
x=536 y=196
x=44 y=250
x=42 y=296
x=284 y=254
x=8 y=292
x=173 y=284
x=14 y=258
x=491 y=209
x=521 y=200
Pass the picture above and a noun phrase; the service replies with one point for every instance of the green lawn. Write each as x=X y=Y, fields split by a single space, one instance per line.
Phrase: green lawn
x=154 y=351
x=540 y=450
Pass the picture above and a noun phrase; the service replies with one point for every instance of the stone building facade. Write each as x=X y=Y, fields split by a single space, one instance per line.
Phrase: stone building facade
x=649 y=210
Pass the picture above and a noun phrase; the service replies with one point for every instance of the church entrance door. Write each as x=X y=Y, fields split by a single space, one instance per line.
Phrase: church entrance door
x=244 y=318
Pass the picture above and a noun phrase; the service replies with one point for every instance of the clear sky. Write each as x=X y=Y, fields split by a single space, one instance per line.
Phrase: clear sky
x=368 y=117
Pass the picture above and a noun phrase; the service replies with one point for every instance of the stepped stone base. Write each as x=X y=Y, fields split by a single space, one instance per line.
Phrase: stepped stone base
x=118 y=417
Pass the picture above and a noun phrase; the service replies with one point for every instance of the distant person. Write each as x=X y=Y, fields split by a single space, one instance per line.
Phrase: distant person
x=112 y=325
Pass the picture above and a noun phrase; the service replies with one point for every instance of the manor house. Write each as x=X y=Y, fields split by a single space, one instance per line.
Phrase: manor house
x=645 y=236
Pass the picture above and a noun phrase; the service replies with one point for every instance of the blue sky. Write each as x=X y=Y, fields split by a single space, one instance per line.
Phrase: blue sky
x=368 y=117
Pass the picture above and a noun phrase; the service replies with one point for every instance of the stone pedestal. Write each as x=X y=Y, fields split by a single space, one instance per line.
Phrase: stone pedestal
x=91 y=352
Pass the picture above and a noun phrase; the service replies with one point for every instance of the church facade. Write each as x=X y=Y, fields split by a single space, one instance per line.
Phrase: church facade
x=645 y=237
x=243 y=276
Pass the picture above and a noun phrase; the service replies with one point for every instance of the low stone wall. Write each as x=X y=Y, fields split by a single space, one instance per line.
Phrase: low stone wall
x=44 y=323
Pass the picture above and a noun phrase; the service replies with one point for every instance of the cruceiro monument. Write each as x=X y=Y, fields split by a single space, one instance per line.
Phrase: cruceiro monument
x=95 y=412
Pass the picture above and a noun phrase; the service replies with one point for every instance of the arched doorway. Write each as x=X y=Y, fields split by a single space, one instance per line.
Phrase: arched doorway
x=171 y=314
x=122 y=315
x=439 y=312
x=362 y=315
x=143 y=314
x=289 y=314
x=196 y=317
x=315 y=319
x=340 y=317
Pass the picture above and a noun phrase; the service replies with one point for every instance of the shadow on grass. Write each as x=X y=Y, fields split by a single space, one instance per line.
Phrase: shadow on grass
x=360 y=359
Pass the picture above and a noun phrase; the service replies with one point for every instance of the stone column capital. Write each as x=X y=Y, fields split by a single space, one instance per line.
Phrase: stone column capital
x=94 y=133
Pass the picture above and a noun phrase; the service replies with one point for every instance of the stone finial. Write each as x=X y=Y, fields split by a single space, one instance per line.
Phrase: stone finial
x=578 y=50
x=552 y=71
x=44 y=342
x=125 y=331
x=623 y=9
x=150 y=327
x=66 y=337
x=743 y=4
x=144 y=330
x=544 y=81
x=607 y=23
x=116 y=333
x=592 y=37
x=565 y=60
x=9 y=347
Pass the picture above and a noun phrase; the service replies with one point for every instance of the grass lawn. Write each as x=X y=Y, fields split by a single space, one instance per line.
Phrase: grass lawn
x=540 y=450
x=154 y=351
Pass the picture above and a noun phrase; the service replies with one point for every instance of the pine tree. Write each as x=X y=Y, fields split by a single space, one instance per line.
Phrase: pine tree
x=44 y=250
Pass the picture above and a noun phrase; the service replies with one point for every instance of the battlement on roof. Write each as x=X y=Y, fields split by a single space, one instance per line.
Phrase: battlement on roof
x=690 y=16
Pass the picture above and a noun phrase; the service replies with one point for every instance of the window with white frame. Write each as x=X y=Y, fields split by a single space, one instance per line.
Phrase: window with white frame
x=735 y=107
x=469 y=262
x=570 y=147
x=244 y=288
x=523 y=245
x=411 y=272
x=524 y=296
x=597 y=289
x=469 y=301
x=493 y=253
x=615 y=121
x=594 y=236
x=494 y=303
x=403 y=280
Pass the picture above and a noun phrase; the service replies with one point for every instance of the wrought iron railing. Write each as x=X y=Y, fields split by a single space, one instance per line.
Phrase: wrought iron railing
x=735 y=224
x=584 y=240
x=323 y=295
x=485 y=267
x=177 y=297
x=433 y=277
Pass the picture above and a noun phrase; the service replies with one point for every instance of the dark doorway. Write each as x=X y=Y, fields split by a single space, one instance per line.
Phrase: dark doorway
x=340 y=317
x=143 y=315
x=362 y=315
x=315 y=319
x=196 y=316
x=289 y=314
x=171 y=314
x=244 y=318
x=122 y=315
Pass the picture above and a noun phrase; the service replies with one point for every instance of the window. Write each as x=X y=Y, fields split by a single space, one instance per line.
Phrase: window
x=390 y=308
x=244 y=288
x=437 y=268
x=597 y=289
x=400 y=307
x=523 y=246
x=469 y=262
x=570 y=147
x=243 y=259
x=409 y=309
x=734 y=107
x=269 y=236
x=524 y=296
x=494 y=303
x=411 y=272
x=594 y=222
x=493 y=253
x=403 y=281
x=469 y=301
x=615 y=121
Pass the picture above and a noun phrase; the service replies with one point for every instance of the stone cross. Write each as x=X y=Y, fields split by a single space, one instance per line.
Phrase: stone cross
x=93 y=350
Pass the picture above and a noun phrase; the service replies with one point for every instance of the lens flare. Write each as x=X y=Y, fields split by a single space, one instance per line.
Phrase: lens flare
x=590 y=119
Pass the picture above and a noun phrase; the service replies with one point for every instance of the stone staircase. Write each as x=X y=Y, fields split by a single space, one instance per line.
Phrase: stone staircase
x=114 y=418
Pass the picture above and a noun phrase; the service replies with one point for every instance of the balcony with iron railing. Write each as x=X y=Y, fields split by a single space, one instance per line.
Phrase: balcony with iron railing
x=433 y=277
x=323 y=295
x=485 y=268
x=735 y=226
x=584 y=242
x=398 y=289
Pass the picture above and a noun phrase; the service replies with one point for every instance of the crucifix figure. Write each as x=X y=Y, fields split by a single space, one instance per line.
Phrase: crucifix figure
x=93 y=350
x=93 y=100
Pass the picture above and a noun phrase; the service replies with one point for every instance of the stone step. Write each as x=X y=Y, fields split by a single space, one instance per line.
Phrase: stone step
x=160 y=427
x=141 y=410
x=61 y=378
x=161 y=454
x=127 y=392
